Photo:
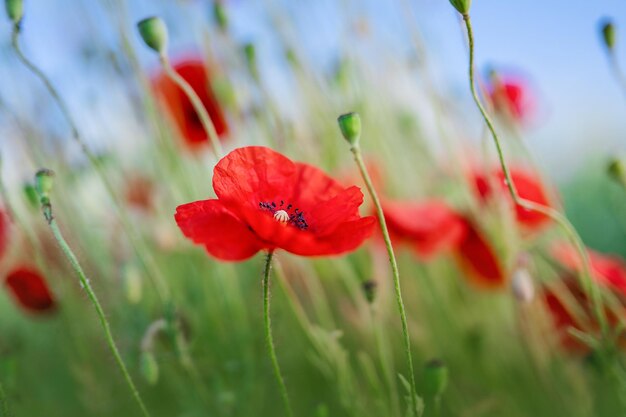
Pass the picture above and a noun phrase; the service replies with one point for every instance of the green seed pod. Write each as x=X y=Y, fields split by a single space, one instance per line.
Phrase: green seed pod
x=350 y=125
x=249 y=52
x=219 y=15
x=154 y=33
x=15 y=10
x=31 y=195
x=133 y=287
x=44 y=180
x=617 y=170
x=607 y=28
x=149 y=367
x=435 y=378
x=462 y=6
x=369 y=289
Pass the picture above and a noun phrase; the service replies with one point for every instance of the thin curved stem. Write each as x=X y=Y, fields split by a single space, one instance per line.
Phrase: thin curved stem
x=86 y=285
x=153 y=271
x=205 y=119
x=586 y=278
x=356 y=150
x=269 y=340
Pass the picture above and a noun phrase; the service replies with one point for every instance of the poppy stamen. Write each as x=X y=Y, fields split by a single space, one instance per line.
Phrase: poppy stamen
x=295 y=218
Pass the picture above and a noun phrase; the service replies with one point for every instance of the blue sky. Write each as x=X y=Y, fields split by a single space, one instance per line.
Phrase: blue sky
x=555 y=42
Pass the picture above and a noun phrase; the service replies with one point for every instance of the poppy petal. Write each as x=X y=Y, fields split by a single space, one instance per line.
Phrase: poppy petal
x=478 y=260
x=210 y=223
x=30 y=290
x=253 y=174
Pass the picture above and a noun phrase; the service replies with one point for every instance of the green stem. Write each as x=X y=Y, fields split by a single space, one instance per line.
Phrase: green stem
x=617 y=71
x=269 y=341
x=587 y=282
x=153 y=271
x=6 y=412
x=201 y=111
x=86 y=285
x=356 y=150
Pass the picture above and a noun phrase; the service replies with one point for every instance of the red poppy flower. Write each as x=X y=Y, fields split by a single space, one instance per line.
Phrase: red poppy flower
x=180 y=107
x=30 y=290
x=609 y=272
x=478 y=260
x=511 y=96
x=528 y=186
x=4 y=232
x=139 y=192
x=431 y=227
x=266 y=201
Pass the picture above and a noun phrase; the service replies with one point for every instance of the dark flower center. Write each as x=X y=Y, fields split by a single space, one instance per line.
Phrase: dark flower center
x=285 y=213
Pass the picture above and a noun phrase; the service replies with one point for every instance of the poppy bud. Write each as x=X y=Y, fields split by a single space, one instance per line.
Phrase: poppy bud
x=350 y=125
x=617 y=171
x=220 y=16
x=250 y=53
x=462 y=6
x=31 y=195
x=522 y=285
x=44 y=180
x=608 y=34
x=149 y=367
x=369 y=289
x=154 y=33
x=15 y=10
x=435 y=378
x=131 y=277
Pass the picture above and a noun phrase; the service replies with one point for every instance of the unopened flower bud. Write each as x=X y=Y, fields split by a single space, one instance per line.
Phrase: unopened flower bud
x=522 y=285
x=369 y=289
x=131 y=278
x=435 y=378
x=31 y=195
x=617 y=171
x=44 y=180
x=607 y=29
x=462 y=6
x=15 y=10
x=350 y=125
x=219 y=15
x=154 y=33
x=149 y=367
x=249 y=52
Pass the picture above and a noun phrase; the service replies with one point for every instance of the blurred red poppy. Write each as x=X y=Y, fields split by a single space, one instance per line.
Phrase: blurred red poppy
x=608 y=271
x=180 y=108
x=30 y=290
x=139 y=192
x=478 y=260
x=430 y=227
x=266 y=201
x=511 y=96
x=4 y=232
x=528 y=186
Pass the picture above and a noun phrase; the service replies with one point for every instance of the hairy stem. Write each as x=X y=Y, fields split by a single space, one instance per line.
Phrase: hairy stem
x=356 y=150
x=148 y=263
x=587 y=282
x=269 y=340
x=86 y=285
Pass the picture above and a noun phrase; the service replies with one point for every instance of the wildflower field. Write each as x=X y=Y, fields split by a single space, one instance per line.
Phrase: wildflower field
x=211 y=217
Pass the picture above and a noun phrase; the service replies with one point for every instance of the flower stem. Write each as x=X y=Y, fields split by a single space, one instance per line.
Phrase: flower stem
x=587 y=281
x=199 y=108
x=148 y=263
x=84 y=282
x=269 y=341
x=4 y=404
x=356 y=150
